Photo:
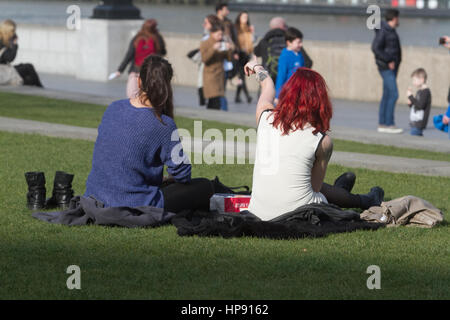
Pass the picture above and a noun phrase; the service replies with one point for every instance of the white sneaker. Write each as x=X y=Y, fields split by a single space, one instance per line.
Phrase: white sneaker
x=393 y=130
x=382 y=129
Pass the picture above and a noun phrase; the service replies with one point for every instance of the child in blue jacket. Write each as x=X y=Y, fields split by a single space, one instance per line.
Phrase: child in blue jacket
x=290 y=59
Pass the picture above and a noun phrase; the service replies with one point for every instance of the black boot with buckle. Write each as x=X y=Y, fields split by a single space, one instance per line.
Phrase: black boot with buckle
x=36 y=190
x=62 y=191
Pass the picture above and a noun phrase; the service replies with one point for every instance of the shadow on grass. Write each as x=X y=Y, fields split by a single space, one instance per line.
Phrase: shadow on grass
x=118 y=263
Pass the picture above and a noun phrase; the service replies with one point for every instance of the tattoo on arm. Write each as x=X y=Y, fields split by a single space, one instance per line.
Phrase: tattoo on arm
x=261 y=76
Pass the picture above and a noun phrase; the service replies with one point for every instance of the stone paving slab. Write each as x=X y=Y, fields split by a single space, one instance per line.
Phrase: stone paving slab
x=349 y=159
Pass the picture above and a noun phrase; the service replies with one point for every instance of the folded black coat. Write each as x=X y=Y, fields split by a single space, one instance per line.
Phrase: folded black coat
x=85 y=211
x=314 y=220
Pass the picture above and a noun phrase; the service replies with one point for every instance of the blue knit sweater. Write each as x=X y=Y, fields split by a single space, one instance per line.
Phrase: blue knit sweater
x=132 y=147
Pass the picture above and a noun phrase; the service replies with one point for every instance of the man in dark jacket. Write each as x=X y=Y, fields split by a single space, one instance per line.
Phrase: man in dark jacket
x=388 y=55
x=270 y=47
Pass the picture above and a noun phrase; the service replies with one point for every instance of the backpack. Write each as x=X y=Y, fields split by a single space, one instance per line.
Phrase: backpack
x=144 y=48
x=274 y=47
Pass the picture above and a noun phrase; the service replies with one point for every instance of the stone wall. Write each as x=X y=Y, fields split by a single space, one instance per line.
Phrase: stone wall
x=98 y=48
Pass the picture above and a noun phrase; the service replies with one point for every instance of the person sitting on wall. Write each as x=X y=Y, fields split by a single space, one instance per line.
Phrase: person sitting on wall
x=23 y=73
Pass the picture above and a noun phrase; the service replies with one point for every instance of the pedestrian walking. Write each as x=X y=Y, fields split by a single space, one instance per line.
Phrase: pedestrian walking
x=246 y=36
x=147 y=41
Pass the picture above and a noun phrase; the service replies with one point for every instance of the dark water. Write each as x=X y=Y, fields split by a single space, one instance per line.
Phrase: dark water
x=188 y=19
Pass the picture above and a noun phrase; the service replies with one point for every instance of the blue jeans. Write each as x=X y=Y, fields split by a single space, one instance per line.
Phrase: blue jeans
x=416 y=131
x=223 y=104
x=390 y=96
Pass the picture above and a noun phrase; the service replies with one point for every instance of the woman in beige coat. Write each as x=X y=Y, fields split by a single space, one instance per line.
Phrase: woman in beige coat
x=214 y=51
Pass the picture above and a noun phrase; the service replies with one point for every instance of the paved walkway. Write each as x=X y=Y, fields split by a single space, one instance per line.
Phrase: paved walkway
x=354 y=121
x=348 y=159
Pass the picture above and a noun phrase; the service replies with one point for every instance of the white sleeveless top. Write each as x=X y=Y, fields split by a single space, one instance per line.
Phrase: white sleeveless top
x=282 y=171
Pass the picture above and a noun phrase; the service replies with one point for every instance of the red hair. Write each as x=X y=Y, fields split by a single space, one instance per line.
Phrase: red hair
x=303 y=100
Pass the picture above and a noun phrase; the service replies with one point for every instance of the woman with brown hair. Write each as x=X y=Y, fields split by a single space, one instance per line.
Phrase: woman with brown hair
x=23 y=73
x=146 y=42
x=245 y=35
x=214 y=51
x=137 y=138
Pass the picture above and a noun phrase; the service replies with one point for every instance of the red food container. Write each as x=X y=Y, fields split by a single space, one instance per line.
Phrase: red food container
x=229 y=203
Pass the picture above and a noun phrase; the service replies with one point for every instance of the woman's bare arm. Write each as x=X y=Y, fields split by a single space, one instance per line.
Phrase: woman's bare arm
x=323 y=155
x=267 y=87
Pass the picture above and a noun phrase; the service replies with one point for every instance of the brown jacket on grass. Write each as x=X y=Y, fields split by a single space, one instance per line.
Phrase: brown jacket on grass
x=213 y=72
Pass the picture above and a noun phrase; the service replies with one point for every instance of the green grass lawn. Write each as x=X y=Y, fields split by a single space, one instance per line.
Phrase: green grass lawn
x=119 y=263
x=89 y=115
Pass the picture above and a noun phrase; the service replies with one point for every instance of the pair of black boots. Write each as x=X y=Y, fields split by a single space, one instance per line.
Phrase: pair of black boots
x=61 y=195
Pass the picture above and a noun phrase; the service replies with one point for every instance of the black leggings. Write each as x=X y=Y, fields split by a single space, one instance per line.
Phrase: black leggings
x=194 y=195
x=340 y=197
x=243 y=85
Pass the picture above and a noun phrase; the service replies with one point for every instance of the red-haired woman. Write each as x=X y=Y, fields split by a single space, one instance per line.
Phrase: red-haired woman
x=146 y=42
x=293 y=149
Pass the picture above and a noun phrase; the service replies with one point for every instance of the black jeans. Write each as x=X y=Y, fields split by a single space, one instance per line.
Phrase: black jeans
x=194 y=195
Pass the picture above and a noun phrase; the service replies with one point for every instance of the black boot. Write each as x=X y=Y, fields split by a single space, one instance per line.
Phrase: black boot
x=62 y=191
x=36 y=190
x=346 y=181
x=373 y=198
x=201 y=97
x=237 y=98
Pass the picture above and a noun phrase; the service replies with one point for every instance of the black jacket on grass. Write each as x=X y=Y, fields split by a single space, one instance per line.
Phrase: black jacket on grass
x=313 y=220
x=386 y=47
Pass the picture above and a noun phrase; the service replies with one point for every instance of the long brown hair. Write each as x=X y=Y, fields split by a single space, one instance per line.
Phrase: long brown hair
x=156 y=74
x=149 y=29
x=238 y=22
x=7 y=32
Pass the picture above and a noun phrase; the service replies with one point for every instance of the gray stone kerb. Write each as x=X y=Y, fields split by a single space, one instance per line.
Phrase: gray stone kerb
x=243 y=150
